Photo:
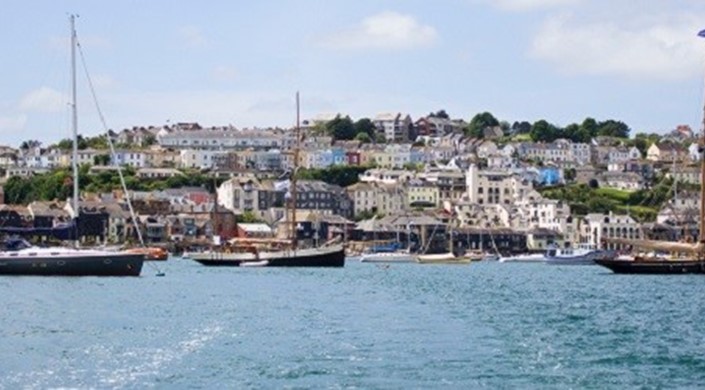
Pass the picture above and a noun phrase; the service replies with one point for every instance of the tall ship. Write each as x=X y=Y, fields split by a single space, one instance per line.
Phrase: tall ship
x=18 y=257
x=264 y=252
x=666 y=257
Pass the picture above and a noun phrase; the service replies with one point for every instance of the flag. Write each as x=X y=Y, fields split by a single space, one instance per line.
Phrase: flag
x=702 y=34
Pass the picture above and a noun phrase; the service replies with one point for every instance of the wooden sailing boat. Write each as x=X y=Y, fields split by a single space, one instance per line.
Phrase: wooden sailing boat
x=691 y=258
x=277 y=253
x=445 y=258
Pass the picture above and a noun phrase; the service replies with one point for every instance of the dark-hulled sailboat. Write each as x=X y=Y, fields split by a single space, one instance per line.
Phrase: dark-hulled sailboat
x=273 y=252
x=692 y=258
x=20 y=258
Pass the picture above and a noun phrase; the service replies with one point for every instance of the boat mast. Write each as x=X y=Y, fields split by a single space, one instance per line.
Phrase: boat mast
x=292 y=184
x=702 y=180
x=74 y=119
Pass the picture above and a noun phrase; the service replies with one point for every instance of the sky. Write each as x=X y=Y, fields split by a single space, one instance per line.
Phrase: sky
x=240 y=63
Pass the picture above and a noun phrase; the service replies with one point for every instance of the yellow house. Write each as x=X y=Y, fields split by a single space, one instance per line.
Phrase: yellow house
x=422 y=194
x=159 y=158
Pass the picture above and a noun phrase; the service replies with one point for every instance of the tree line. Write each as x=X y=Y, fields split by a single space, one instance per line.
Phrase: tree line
x=58 y=184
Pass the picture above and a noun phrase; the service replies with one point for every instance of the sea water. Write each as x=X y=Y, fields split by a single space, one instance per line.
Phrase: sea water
x=484 y=325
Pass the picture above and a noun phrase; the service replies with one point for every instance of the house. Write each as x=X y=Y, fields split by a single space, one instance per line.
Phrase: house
x=596 y=226
x=539 y=239
x=628 y=181
x=436 y=126
x=24 y=171
x=158 y=173
x=421 y=193
x=495 y=187
x=492 y=132
x=377 y=197
x=394 y=127
x=694 y=153
x=199 y=158
x=666 y=152
x=687 y=174
x=254 y=230
x=158 y=157
x=389 y=176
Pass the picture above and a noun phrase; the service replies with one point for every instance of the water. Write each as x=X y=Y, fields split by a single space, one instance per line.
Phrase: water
x=485 y=325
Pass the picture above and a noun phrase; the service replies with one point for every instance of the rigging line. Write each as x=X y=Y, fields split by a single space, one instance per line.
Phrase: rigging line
x=112 y=152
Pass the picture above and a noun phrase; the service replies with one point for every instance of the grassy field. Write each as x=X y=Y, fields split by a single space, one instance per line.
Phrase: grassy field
x=613 y=193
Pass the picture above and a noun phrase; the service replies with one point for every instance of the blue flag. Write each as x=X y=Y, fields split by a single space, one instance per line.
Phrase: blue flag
x=702 y=34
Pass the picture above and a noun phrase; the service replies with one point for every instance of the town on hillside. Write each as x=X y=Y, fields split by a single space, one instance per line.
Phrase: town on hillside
x=484 y=183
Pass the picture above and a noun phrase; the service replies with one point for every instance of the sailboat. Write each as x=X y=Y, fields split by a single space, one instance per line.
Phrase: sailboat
x=691 y=258
x=272 y=252
x=390 y=253
x=444 y=258
x=18 y=257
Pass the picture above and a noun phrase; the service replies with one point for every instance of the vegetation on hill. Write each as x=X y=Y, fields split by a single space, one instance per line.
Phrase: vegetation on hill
x=643 y=205
x=58 y=184
x=544 y=131
x=337 y=174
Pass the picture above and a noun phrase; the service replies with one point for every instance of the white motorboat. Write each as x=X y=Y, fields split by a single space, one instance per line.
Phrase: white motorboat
x=583 y=254
x=524 y=258
x=387 y=257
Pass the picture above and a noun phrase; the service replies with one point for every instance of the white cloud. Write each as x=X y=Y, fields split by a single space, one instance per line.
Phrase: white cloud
x=524 y=5
x=657 y=48
x=386 y=30
x=193 y=37
x=224 y=73
x=44 y=99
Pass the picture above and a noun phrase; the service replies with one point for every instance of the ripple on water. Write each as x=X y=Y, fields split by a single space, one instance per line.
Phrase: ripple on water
x=485 y=325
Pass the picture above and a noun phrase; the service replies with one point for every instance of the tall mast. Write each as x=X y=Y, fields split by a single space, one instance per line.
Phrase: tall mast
x=702 y=180
x=292 y=185
x=74 y=115
x=702 y=169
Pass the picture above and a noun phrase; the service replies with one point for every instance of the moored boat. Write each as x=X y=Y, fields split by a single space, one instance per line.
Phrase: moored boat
x=583 y=254
x=271 y=252
x=652 y=265
x=524 y=258
x=21 y=258
x=443 y=258
x=333 y=256
x=18 y=257
x=387 y=257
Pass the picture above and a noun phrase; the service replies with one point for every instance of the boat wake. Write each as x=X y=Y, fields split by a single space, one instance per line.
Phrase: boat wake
x=113 y=366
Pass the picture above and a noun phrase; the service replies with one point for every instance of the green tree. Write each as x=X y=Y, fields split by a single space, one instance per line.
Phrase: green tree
x=613 y=128
x=439 y=114
x=363 y=137
x=542 y=131
x=247 y=217
x=569 y=174
x=101 y=159
x=341 y=128
x=522 y=127
x=28 y=144
x=65 y=144
x=479 y=123
x=149 y=140
x=380 y=138
x=365 y=125
x=589 y=127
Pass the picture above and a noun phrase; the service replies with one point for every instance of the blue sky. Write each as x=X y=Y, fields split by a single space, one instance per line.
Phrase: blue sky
x=240 y=62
